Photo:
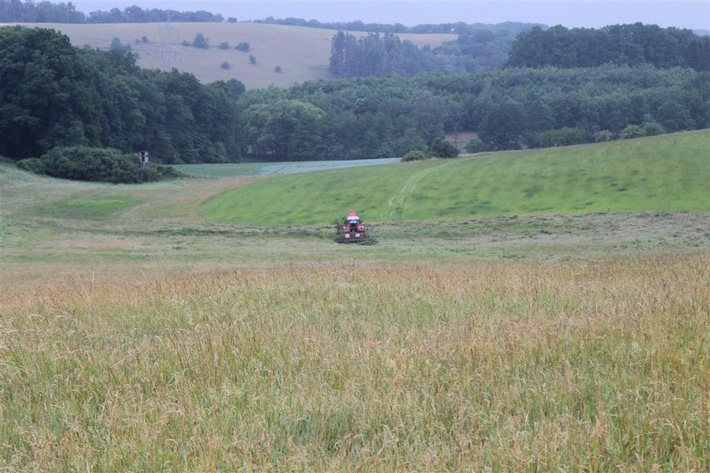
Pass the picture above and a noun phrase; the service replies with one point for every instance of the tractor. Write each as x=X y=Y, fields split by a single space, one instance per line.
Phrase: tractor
x=352 y=230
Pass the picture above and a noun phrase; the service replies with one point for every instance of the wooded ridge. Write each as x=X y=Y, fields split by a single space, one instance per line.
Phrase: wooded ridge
x=57 y=95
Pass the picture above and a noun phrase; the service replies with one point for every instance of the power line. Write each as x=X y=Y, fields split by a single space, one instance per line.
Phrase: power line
x=168 y=51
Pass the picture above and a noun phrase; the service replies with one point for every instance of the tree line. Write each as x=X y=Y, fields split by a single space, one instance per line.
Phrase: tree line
x=381 y=55
x=509 y=108
x=618 y=44
x=630 y=45
x=30 y=11
x=458 y=28
x=17 y=11
x=55 y=95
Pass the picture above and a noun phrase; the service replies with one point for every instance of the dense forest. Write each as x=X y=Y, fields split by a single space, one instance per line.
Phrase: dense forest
x=53 y=94
x=629 y=45
x=618 y=44
x=17 y=11
x=383 y=55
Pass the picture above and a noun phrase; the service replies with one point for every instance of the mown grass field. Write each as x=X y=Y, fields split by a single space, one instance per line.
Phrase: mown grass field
x=669 y=173
x=136 y=333
x=302 y=53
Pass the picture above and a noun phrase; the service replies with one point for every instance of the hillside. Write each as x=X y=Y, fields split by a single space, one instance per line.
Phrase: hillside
x=103 y=99
x=667 y=173
x=645 y=195
x=136 y=336
x=301 y=53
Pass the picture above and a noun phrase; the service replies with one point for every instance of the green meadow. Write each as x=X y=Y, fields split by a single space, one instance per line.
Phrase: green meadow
x=531 y=311
x=91 y=208
x=668 y=173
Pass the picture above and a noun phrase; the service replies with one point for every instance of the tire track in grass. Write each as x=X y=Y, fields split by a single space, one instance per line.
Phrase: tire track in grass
x=397 y=203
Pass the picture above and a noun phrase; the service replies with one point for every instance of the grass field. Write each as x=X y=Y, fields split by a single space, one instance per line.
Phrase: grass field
x=302 y=53
x=669 y=173
x=595 y=366
x=136 y=334
x=218 y=170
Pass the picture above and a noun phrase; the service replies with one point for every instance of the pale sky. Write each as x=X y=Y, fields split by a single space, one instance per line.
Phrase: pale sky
x=693 y=14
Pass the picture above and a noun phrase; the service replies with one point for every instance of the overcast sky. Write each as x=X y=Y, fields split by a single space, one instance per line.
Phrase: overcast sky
x=694 y=14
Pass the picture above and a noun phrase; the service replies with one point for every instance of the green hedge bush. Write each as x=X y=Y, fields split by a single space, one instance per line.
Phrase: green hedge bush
x=415 y=156
x=82 y=163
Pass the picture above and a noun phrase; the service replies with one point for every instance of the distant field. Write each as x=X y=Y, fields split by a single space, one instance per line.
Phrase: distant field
x=217 y=170
x=302 y=53
x=273 y=169
x=666 y=174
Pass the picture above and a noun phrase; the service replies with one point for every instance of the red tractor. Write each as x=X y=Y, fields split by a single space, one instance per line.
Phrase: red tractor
x=352 y=230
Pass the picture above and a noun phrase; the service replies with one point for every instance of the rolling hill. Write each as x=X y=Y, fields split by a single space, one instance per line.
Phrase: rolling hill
x=667 y=173
x=300 y=53
x=648 y=195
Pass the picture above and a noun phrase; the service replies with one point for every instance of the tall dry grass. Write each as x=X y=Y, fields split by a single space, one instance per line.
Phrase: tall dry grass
x=568 y=366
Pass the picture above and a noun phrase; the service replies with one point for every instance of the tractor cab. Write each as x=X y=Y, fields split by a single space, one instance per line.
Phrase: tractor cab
x=352 y=221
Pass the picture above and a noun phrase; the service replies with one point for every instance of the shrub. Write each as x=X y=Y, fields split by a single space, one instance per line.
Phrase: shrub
x=117 y=45
x=225 y=65
x=562 y=137
x=476 y=146
x=82 y=163
x=200 y=41
x=34 y=165
x=632 y=131
x=415 y=156
x=161 y=173
x=244 y=47
x=603 y=135
x=441 y=148
x=278 y=69
x=653 y=129
x=252 y=59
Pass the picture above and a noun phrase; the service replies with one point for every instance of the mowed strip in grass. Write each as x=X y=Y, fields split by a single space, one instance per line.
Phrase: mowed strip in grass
x=664 y=173
x=87 y=208
x=573 y=366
